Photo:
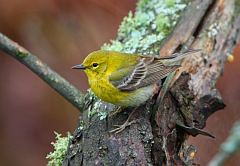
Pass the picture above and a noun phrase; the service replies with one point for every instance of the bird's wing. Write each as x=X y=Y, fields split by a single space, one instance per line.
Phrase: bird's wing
x=146 y=72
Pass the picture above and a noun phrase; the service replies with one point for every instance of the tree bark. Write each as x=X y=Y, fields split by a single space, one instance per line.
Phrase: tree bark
x=213 y=26
x=162 y=127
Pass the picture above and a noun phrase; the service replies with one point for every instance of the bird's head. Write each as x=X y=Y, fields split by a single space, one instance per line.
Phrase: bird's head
x=95 y=64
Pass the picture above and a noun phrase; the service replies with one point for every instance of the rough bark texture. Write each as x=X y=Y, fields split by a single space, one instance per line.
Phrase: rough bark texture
x=210 y=25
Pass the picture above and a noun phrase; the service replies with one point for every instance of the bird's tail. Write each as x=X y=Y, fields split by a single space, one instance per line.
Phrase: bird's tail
x=177 y=57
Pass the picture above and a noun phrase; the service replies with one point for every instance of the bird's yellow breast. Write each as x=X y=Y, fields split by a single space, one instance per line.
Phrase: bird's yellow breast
x=107 y=92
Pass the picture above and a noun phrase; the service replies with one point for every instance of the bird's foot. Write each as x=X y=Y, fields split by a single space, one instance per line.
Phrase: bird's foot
x=120 y=128
x=127 y=123
x=118 y=110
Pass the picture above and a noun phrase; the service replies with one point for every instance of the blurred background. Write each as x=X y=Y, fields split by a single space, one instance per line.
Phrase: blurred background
x=62 y=33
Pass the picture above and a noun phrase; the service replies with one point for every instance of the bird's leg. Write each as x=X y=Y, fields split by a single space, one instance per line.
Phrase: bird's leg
x=120 y=128
x=118 y=110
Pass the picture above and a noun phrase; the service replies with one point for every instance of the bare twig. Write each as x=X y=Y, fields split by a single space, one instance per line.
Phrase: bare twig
x=228 y=148
x=63 y=87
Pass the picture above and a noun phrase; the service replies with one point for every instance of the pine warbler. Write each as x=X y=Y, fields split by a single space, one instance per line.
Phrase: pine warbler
x=127 y=80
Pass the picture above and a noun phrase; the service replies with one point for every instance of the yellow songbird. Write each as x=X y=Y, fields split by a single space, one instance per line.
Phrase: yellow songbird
x=127 y=80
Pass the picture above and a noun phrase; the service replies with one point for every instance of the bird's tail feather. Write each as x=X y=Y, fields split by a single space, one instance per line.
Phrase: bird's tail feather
x=177 y=57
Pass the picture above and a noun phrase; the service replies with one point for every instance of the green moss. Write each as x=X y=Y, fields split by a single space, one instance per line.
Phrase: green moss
x=97 y=107
x=143 y=31
x=170 y=3
x=21 y=54
x=163 y=24
x=237 y=8
x=142 y=4
x=60 y=148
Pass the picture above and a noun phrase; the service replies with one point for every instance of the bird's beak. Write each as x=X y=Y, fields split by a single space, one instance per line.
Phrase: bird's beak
x=79 y=67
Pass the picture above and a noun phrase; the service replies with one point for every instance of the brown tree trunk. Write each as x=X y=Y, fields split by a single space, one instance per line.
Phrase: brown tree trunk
x=210 y=25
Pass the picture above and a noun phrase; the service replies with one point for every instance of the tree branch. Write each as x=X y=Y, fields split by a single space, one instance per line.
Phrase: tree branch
x=188 y=24
x=228 y=148
x=53 y=79
x=209 y=25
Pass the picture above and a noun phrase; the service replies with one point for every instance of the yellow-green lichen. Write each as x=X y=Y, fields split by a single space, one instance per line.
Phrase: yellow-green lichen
x=143 y=31
x=237 y=8
x=60 y=148
x=170 y=3
x=22 y=54
x=213 y=30
x=98 y=107
x=163 y=23
x=142 y=4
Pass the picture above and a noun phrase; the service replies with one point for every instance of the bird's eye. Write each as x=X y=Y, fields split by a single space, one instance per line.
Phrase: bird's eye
x=95 y=64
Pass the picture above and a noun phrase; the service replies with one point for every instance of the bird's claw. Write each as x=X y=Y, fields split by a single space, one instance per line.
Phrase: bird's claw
x=120 y=128
x=115 y=112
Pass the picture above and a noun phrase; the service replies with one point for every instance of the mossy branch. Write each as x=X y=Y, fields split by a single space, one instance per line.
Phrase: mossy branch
x=164 y=26
x=161 y=141
x=53 y=79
